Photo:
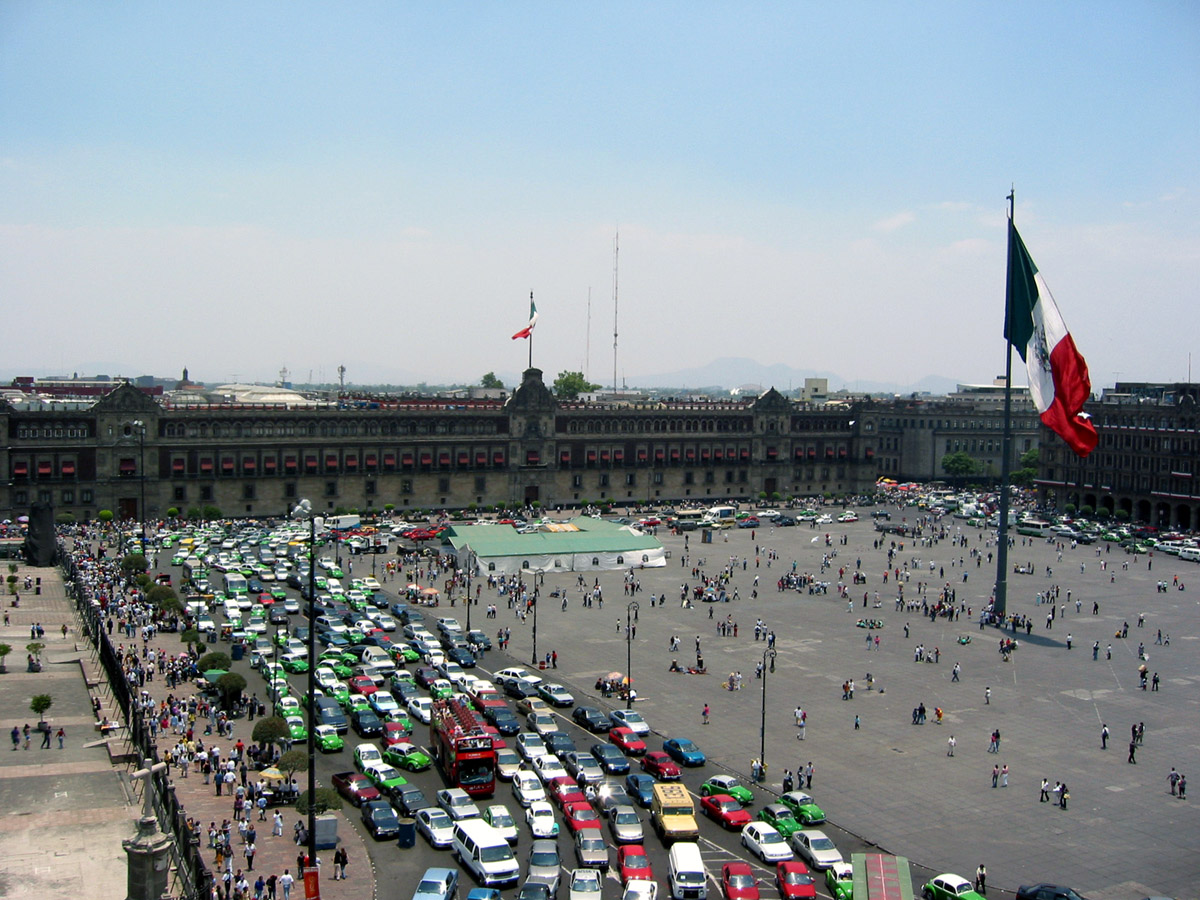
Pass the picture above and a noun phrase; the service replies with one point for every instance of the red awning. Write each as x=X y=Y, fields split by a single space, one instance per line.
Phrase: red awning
x=641 y=455
x=68 y=467
x=47 y=468
x=269 y=463
x=372 y=460
x=691 y=453
x=227 y=464
x=704 y=453
x=812 y=452
x=745 y=454
x=591 y=455
x=206 y=465
x=177 y=466
x=310 y=462
x=249 y=465
x=20 y=468
x=498 y=459
x=407 y=459
x=718 y=453
x=127 y=466
x=674 y=453
x=426 y=459
x=618 y=455
x=532 y=457
x=480 y=458
x=604 y=455
x=772 y=452
x=659 y=454
x=564 y=457
x=829 y=453
x=351 y=462
x=799 y=453
x=331 y=461
x=464 y=459
x=443 y=459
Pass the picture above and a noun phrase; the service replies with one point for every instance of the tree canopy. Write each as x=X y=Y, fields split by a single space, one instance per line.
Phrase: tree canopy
x=270 y=730
x=569 y=385
x=490 y=381
x=959 y=464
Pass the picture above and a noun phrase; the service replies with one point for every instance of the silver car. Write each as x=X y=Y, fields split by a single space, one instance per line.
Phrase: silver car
x=545 y=864
x=625 y=825
x=590 y=849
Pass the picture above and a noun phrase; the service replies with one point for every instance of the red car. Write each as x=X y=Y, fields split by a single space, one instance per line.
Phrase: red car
x=396 y=733
x=633 y=863
x=355 y=787
x=794 y=881
x=361 y=684
x=738 y=881
x=581 y=815
x=564 y=790
x=627 y=739
x=724 y=809
x=660 y=766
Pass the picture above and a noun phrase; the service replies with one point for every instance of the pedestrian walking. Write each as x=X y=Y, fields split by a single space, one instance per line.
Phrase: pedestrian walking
x=981 y=879
x=249 y=852
x=1173 y=780
x=1004 y=776
x=277 y=830
x=1063 y=796
x=1133 y=752
x=1182 y=787
x=987 y=696
x=16 y=737
x=45 y=736
x=950 y=745
x=1045 y=797
x=704 y=713
x=808 y=774
x=954 y=672
x=62 y=735
x=995 y=776
x=286 y=881
x=857 y=723
x=26 y=731
x=1103 y=737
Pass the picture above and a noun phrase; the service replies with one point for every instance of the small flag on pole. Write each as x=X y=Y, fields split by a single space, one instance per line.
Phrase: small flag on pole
x=527 y=331
x=1058 y=375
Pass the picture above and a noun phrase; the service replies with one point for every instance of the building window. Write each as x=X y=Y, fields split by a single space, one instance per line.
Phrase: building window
x=406 y=486
x=331 y=489
x=603 y=480
x=658 y=479
x=443 y=485
x=68 y=498
x=709 y=478
x=20 y=498
x=247 y=491
x=289 y=489
x=206 y=493
x=689 y=477
x=369 y=487
x=577 y=481
x=631 y=479
x=180 y=493
x=480 y=484
x=85 y=496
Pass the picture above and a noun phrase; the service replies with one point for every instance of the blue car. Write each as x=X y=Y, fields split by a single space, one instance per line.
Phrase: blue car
x=640 y=787
x=483 y=894
x=683 y=752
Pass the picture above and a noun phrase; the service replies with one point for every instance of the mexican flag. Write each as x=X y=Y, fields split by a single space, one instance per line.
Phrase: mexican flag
x=1058 y=375
x=527 y=331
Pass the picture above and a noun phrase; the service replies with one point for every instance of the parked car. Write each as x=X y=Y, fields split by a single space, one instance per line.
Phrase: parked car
x=437 y=827
x=815 y=848
x=437 y=884
x=949 y=886
x=380 y=819
x=765 y=842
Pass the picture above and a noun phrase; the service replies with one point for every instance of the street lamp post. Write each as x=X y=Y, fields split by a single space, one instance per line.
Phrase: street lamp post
x=535 y=606
x=631 y=611
x=467 y=562
x=769 y=653
x=304 y=510
x=141 y=431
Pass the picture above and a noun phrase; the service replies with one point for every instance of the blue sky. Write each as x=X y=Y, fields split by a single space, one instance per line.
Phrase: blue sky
x=239 y=187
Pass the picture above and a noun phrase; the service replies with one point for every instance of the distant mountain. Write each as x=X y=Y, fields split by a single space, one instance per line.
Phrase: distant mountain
x=730 y=372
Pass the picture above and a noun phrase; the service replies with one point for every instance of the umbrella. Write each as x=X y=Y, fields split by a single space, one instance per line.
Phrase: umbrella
x=272 y=773
x=429 y=592
x=413 y=587
x=22 y=518
x=613 y=676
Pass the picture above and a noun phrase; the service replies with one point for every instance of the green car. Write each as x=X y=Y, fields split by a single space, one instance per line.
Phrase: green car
x=335 y=572
x=839 y=881
x=780 y=818
x=441 y=689
x=385 y=777
x=401 y=718
x=356 y=702
x=178 y=559
x=403 y=653
x=297 y=729
x=407 y=756
x=278 y=593
x=340 y=693
x=727 y=784
x=281 y=638
x=949 y=887
x=294 y=664
x=803 y=807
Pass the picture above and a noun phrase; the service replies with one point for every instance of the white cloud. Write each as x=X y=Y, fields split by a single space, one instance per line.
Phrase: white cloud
x=891 y=223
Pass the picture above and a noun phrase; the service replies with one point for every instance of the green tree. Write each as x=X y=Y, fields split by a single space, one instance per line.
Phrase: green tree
x=191 y=637
x=173 y=512
x=36 y=649
x=1122 y=515
x=1086 y=510
x=211 y=512
x=292 y=762
x=271 y=730
x=134 y=564
x=40 y=703
x=490 y=381
x=164 y=598
x=105 y=516
x=327 y=800
x=1029 y=459
x=65 y=518
x=214 y=660
x=958 y=465
x=230 y=685
x=569 y=385
x=5 y=649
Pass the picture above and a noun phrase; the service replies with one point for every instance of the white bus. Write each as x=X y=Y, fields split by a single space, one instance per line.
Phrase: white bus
x=235 y=583
x=1034 y=527
x=719 y=517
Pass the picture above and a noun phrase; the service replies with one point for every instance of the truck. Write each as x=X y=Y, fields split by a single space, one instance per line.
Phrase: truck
x=673 y=814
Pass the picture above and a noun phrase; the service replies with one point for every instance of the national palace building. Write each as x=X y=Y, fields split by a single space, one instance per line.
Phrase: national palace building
x=121 y=448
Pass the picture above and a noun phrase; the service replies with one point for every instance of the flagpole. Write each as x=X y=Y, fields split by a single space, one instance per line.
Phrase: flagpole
x=1000 y=605
x=531 y=333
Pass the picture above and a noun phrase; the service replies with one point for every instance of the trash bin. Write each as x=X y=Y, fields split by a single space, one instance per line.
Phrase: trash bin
x=239 y=650
x=408 y=833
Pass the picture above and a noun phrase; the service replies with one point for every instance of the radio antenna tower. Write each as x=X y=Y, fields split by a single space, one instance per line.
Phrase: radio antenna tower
x=616 y=259
x=587 y=340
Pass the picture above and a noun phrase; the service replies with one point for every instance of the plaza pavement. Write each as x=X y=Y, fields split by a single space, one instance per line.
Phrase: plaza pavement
x=1123 y=834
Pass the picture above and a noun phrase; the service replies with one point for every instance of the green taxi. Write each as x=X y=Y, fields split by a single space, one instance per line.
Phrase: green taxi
x=384 y=776
x=839 y=881
x=278 y=592
x=407 y=756
x=297 y=730
x=780 y=818
x=803 y=807
x=727 y=784
x=949 y=886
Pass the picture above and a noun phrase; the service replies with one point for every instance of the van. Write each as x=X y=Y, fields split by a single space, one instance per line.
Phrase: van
x=672 y=813
x=719 y=517
x=328 y=712
x=1190 y=554
x=484 y=852
x=378 y=658
x=686 y=873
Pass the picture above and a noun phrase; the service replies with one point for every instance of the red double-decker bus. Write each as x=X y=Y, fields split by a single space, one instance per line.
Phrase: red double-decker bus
x=461 y=748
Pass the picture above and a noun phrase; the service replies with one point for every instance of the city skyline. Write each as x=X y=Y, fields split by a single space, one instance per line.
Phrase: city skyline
x=382 y=186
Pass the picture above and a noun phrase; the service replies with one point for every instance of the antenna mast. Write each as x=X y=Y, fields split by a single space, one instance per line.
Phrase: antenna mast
x=587 y=341
x=616 y=255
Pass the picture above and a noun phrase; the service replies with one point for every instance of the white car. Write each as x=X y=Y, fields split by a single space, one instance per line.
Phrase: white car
x=205 y=623
x=421 y=709
x=527 y=788
x=640 y=889
x=540 y=819
x=548 y=768
x=372 y=585
x=848 y=517
x=326 y=679
x=585 y=884
x=498 y=816
x=437 y=827
x=516 y=673
x=824 y=519
x=365 y=754
x=530 y=746
x=507 y=763
x=815 y=848
x=543 y=723
x=457 y=803
x=385 y=622
x=765 y=842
